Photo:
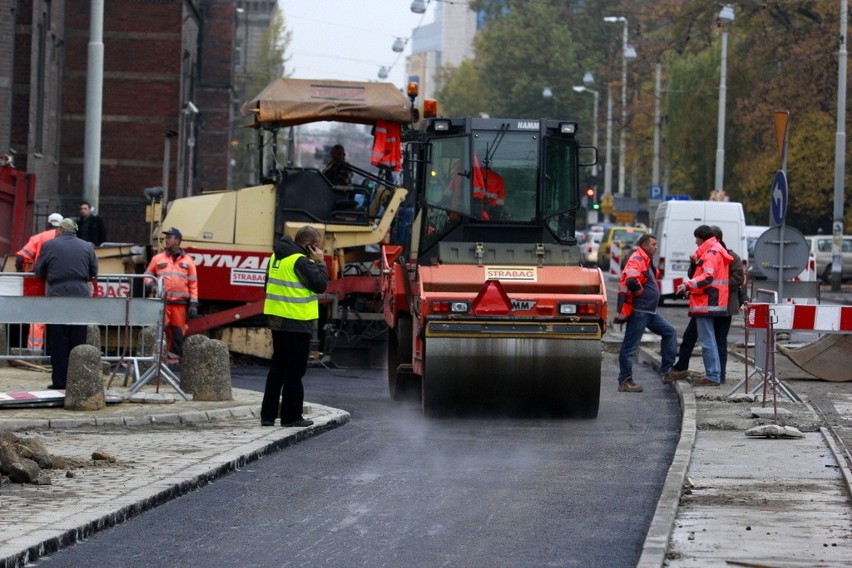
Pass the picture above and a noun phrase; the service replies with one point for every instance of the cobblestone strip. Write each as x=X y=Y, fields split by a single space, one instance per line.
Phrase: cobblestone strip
x=154 y=464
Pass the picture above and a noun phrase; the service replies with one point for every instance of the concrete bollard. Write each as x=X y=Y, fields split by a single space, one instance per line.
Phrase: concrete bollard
x=206 y=369
x=146 y=346
x=85 y=388
x=93 y=336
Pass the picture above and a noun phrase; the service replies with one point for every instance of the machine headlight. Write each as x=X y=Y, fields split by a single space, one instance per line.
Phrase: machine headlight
x=450 y=306
x=568 y=127
x=580 y=309
x=567 y=309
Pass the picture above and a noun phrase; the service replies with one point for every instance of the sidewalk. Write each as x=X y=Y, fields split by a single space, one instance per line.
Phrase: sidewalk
x=161 y=451
x=734 y=500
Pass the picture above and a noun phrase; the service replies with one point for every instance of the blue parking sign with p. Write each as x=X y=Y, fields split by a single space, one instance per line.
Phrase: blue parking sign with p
x=655 y=192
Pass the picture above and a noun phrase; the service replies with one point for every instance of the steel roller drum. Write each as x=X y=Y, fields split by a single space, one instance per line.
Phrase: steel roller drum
x=555 y=376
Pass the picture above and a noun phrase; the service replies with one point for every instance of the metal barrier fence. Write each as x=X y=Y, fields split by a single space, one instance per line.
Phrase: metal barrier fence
x=118 y=307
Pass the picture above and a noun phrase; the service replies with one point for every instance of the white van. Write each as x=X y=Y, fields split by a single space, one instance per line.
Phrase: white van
x=674 y=225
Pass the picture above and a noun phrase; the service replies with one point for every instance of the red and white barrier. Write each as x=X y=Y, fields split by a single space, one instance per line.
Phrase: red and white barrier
x=809 y=274
x=793 y=317
x=615 y=259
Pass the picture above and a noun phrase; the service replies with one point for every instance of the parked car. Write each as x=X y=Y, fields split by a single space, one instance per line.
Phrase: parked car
x=753 y=233
x=624 y=234
x=590 y=246
x=820 y=246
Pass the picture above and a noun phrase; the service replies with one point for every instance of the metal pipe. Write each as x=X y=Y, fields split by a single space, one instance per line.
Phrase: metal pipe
x=655 y=167
x=720 y=131
x=608 y=164
x=94 y=105
x=837 y=229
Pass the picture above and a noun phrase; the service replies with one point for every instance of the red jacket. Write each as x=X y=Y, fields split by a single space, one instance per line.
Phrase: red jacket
x=180 y=279
x=708 y=287
x=632 y=281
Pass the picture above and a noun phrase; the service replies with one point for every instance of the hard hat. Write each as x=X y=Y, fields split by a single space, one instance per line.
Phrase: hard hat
x=54 y=219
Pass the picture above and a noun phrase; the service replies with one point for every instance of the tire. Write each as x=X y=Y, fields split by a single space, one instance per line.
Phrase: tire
x=402 y=385
x=587 y=399
x=826 y=274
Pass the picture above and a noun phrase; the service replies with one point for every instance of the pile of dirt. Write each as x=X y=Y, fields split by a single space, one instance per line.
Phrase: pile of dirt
x=26 y=460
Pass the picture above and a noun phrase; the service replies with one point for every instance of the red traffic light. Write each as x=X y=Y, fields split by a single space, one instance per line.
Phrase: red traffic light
x=590 y=192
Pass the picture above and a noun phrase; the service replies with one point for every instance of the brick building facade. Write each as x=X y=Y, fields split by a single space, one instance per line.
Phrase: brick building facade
x=168 y=78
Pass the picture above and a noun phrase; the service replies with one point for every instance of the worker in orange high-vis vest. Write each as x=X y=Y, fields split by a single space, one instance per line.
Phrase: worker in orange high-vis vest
x=25 y=259
x=180 y=287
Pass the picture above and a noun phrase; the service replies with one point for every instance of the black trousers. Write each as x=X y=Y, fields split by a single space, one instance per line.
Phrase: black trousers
x=721 y=327
x=61 y=339
x=284 y=393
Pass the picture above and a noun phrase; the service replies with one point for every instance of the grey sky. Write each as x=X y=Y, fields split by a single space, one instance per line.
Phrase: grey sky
x=349 y=39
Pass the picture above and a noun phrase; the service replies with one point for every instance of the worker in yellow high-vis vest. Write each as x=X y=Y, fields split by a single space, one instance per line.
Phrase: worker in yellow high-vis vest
x=295 y=275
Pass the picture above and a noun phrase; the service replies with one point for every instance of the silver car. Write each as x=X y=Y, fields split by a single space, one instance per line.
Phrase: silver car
x=820 y=246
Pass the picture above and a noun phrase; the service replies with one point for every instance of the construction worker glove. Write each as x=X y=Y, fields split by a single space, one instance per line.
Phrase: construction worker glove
x=19 y=263
x=193 y=311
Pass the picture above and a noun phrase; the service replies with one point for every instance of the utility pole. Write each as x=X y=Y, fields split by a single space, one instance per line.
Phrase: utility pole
x=839 y=155
x=94 y=105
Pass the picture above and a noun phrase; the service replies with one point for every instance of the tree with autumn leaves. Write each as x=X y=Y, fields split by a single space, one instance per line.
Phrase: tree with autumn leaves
x=782 y=55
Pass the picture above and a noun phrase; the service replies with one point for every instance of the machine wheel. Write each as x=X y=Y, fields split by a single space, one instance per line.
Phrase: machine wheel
x=512 y=375
x=402 y=384
x=587 y=397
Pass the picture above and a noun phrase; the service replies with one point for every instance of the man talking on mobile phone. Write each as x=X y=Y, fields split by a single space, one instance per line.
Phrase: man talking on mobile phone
x=295 y=275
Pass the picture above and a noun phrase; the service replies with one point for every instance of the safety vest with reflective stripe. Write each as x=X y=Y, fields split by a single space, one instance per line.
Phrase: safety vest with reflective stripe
x=387 y=150
x=180 y=277
x=286 y=296
x=638 y=267
x=31 y=250
x=708 y=287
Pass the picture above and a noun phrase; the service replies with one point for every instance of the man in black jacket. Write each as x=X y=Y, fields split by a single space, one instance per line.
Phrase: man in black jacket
x=90 y=227
x=295 y=275
x=67 y=264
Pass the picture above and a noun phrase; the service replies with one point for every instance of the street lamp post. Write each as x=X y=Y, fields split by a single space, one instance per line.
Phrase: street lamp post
x=608 y=161
x=582 y=89
x=839 y=154
x=725 y=16
x=627 y=52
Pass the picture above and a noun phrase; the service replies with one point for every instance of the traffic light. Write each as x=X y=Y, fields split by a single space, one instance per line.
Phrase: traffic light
x=591 y=198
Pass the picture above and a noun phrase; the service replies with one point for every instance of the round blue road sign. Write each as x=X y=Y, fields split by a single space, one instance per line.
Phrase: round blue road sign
x=779 y=197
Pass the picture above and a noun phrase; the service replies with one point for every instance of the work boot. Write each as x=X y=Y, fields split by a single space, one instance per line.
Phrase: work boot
x=629 y=386
x=673 y=376
x=705 y=382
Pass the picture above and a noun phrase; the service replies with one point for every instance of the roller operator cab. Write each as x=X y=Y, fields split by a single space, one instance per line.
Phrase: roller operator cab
x=486 y=298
